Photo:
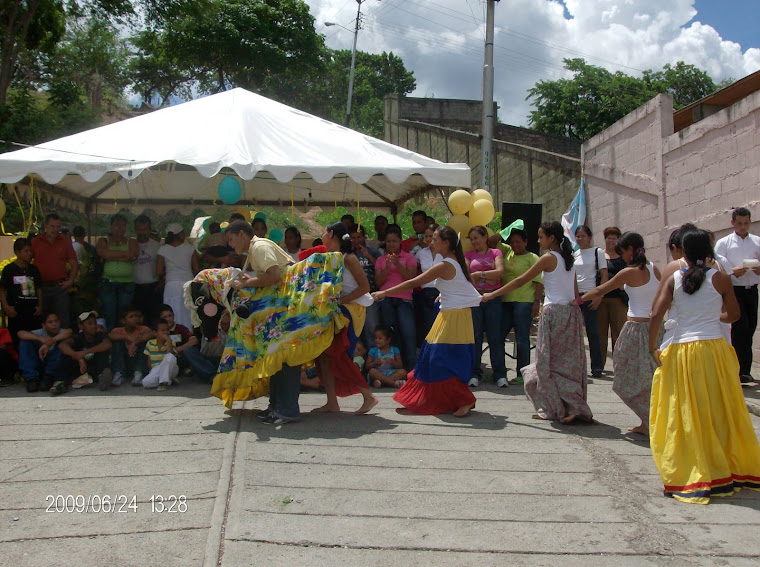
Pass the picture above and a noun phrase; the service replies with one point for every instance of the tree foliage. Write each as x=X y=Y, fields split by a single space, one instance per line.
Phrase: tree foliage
x=595 y=98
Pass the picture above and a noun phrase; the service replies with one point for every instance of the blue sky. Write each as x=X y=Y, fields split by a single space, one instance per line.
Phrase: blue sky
x=734 y=20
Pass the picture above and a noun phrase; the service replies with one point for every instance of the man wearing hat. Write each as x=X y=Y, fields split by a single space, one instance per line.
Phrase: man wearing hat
x=86 y=353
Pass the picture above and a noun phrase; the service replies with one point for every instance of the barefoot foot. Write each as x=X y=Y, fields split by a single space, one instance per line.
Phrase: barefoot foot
x=368 y=404
x=643 y=429
x=464 y=410
x=327 y=408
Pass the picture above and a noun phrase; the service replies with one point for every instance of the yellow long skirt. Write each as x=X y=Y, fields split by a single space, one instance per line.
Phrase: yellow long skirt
x=701 y=435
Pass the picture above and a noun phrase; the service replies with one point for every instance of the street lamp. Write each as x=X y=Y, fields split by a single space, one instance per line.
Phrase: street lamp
x=353 y=57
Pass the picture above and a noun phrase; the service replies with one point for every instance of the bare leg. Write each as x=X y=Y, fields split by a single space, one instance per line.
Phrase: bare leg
x=370 y=401
x=464 y=410
x=328 y=379
x=390 y=381
x=643 y=429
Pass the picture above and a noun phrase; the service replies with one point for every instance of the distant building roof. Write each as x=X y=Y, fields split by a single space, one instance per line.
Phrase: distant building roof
x=719 y=100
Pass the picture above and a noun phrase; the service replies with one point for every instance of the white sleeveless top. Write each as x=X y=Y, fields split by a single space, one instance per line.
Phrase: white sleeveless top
x=350 y=284
x=699 y=313
x=559 y=285
x=457 y=293
x=640 y=298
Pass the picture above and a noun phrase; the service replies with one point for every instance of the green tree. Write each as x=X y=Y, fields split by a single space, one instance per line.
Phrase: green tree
x=594 y=98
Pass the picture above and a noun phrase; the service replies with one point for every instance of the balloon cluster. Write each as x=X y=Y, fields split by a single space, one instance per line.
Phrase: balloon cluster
x=470 y=209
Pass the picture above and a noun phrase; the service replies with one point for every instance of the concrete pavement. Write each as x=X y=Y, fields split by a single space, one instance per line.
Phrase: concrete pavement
x=496 y=488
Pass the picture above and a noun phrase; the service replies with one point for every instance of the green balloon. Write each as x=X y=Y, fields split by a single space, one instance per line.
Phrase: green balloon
x=276 y=235
x=261 y=216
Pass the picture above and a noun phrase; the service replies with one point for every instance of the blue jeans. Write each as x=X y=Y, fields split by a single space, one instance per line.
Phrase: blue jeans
x=486 y=318
x=592 y=332
x=284 y=389
x=114 y=297
x=128 y=365
x=399 y=314
x=203 y=366
x=427 y=309
x=371 y=320
x=517 y=315
x=31 y=366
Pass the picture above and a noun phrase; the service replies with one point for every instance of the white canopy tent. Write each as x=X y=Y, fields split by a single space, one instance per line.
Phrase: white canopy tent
x=178 y=155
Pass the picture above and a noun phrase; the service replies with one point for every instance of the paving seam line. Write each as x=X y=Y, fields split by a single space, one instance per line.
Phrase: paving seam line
x=214 y=542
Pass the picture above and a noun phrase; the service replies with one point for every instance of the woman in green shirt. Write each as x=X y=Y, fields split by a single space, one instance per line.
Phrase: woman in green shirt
x=117 y=286
x=520 y=306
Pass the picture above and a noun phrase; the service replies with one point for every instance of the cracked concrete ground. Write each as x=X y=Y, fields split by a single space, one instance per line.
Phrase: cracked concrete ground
x=496 y=488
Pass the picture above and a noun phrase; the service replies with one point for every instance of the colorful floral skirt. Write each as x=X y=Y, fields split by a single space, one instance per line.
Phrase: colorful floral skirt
x=438 y=383
x=291 y=323
x=348 y=378
x=556 y=382
x=634 y=368
x=700 y=431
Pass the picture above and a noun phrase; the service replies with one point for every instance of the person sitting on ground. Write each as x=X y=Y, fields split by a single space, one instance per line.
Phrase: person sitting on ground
x=21 y=291
x=182 y=337
x=40 y=357
x=161 y=357
x=384 y=361
x=86 y=353
x=211 y=350
x=128 y=344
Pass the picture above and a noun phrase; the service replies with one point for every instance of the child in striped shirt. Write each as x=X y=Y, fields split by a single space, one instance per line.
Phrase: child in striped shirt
x=162 y=359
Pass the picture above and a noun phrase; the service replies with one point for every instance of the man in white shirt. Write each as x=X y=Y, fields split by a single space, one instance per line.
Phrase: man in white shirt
x=147 y=296
x=738 y=247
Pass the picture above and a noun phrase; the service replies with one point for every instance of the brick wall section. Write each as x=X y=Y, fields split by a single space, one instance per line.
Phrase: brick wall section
x=641 y=176
x=527 y=137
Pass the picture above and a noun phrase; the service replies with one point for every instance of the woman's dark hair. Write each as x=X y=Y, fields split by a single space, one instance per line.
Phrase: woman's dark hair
x=585 y=229
x=297 y=233
x=340 y=232
x=518 y=232
x=553 y=228
x=385 y=330
x=676 y=237
x=394 y=229
x=636 y=241
x=612 y=230
x=697 y=250
x=254 y=222
x=214 y=228
x=481 y=230
x=447 y=233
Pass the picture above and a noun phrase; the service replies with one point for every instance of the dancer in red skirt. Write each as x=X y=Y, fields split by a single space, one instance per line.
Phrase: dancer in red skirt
x=438 y=383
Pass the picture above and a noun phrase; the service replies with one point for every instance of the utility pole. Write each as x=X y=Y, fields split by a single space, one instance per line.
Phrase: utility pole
x=488 y=117
x=353 y=60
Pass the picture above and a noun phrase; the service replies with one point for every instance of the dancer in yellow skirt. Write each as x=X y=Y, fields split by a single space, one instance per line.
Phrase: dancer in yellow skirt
x=700 y=431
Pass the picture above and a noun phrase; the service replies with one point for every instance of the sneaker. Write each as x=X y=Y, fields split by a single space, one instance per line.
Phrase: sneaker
x=162 y=387
x=272 y=419
x=264 y=414
x=474 y=382
x=104 y=380
x=118 y=379
x=59 y=388
x=502 y=383
x=746 y=378
x=82 y=381
x=596 y=373
x=32 y=386
x=137 y=379
x=45 y=385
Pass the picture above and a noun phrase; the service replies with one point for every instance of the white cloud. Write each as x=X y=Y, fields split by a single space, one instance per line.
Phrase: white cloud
x=442 y=41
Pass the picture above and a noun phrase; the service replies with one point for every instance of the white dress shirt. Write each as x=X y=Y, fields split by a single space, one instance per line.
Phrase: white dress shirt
x=736 y=250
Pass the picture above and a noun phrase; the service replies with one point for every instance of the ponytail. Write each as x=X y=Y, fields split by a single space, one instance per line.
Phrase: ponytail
x=696 y=249
x=340 y=232
x=447 y=233
x=636 y=241
x=553 y=228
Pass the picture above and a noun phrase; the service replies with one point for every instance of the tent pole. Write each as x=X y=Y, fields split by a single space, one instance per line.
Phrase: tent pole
x=394 y=212
x=88 y=212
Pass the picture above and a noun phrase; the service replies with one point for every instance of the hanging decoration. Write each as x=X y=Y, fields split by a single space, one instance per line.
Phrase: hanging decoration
x=229 y=190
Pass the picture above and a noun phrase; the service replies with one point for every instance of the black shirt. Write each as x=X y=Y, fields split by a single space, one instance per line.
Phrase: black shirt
x=22 y=286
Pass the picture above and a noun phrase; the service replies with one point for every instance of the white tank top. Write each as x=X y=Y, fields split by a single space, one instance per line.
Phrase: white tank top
x=457 y=293
x=640 y=298
x=350 y=284
x=559 y=285
x=699 y=313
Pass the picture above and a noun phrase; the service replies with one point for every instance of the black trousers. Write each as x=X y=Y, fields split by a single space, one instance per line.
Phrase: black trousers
x=743 y=330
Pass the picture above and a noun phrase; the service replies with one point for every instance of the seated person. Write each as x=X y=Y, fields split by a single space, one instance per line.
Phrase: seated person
x=206 y=362
x=161 y=358
x=86 y=353
x=182 y=337
x=384 y=364
x=40 y=357
x=8 y=358
x=128 y=341
x=21 y=291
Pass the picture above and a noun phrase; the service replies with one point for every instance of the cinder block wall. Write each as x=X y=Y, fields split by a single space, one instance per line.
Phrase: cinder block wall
x=641 y=176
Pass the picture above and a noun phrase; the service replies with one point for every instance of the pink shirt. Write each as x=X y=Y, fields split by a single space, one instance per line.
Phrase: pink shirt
x=394 y=276
x=483 y=263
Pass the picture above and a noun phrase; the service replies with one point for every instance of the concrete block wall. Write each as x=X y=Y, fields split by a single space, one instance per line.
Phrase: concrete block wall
x=642 y=176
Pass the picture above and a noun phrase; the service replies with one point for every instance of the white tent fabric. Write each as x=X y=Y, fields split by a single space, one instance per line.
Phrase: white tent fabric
x=278 y=153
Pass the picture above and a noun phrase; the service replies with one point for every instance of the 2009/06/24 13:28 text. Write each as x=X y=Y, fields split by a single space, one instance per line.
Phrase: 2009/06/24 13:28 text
x=113 y=504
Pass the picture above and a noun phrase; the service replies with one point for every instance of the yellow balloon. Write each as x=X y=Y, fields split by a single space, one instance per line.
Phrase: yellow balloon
x=482 y=212
x=245 y=212
x=489 y=231
x=2 y=208
x=460 y=202
x=481 y=194
x=460 y=223
x=466 y=244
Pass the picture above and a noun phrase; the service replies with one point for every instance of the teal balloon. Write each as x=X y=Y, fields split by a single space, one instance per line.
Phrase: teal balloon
x=276 y=235
x=261 y=216
x=230 y=190
x=205 y=224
